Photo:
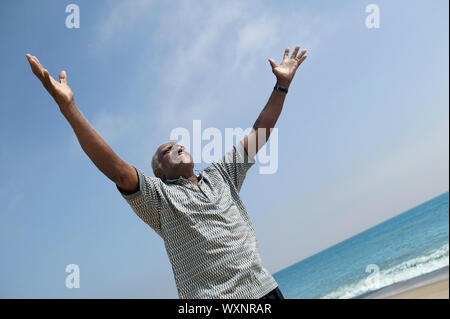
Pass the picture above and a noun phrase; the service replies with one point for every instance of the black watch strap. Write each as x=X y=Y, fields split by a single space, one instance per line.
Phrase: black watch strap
x=280 y=88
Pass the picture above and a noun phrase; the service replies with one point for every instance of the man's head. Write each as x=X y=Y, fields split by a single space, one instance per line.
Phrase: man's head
x=171 y=161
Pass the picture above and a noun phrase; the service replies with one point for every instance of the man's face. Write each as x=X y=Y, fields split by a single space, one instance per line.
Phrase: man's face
x=174 y=161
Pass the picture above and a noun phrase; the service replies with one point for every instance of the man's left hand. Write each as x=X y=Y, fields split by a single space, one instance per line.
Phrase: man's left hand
x=286 y=70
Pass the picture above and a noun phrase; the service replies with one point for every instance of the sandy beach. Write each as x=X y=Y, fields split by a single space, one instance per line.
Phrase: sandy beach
x=438 y=290
x=434 y=285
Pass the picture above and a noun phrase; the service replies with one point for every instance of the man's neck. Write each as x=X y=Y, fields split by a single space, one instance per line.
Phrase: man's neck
x=193 y=178
x=190 y=176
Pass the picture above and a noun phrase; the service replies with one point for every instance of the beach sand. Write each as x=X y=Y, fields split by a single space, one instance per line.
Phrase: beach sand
x=437 y=290
x=434 y=285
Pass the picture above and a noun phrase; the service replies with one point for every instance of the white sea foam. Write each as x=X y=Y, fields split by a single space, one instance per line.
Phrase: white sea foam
x=409 y=269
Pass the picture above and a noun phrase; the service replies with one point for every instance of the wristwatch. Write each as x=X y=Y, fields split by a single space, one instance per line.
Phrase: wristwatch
x=280 y=88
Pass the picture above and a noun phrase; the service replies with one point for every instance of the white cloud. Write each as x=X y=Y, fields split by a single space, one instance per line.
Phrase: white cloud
x=123 y=16
x=206 y=46
x=255 y=39
x=217 y=45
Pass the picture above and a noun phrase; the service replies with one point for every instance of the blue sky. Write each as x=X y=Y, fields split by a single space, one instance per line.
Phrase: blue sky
x=363 y=135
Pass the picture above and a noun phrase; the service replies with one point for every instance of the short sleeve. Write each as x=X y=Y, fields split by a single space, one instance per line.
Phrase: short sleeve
x=146 y=201
x=235 y=164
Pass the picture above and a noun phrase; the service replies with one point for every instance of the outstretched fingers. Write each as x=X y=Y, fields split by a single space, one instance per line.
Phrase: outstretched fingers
x=303 y=58
x=272 y=63
x=36 y=67
x=301 y=54
x=63 y=77
x=48 y=81
x=294 y=54
x=286 y=54
x=42 y=74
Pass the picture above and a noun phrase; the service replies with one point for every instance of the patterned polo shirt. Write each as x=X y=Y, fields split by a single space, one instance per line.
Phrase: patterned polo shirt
x=207 y=232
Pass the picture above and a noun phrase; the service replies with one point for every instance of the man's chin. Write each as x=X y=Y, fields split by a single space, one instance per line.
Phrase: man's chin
x=183 y=159
x=182 y=166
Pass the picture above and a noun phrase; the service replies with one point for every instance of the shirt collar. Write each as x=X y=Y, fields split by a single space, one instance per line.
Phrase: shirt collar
x=183 y=180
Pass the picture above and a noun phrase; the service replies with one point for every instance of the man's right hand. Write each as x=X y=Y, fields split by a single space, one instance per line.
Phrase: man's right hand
x=121 y=173
x=60 y=91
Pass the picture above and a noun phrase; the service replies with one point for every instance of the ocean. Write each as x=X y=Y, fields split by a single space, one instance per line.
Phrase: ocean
x=409 y=245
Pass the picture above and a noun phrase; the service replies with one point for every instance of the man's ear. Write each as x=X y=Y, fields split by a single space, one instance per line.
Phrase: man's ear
x=158 y=174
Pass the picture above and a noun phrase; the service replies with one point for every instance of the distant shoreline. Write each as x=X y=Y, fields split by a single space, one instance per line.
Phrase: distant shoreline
x=431 y=285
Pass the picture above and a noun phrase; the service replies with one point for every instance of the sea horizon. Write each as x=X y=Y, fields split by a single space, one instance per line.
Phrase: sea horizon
x=413 y=244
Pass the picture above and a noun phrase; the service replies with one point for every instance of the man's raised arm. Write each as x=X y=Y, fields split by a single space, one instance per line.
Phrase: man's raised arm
x=118 y=171
x=269 y=115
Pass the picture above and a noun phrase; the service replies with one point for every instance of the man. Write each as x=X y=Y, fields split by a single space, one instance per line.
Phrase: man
x=206 y=230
